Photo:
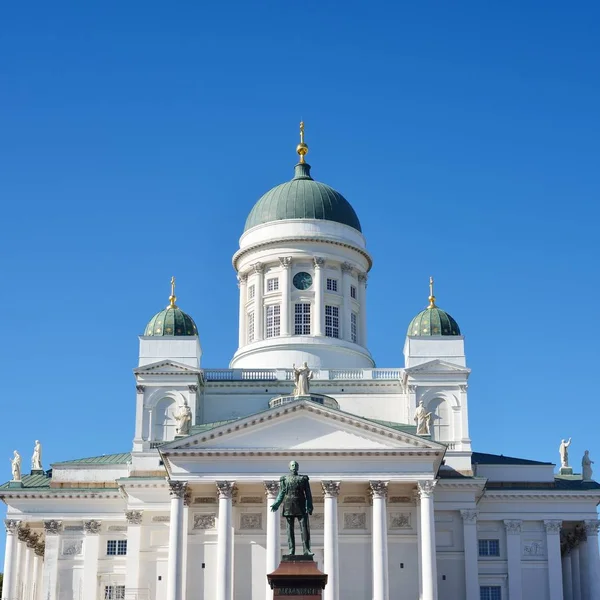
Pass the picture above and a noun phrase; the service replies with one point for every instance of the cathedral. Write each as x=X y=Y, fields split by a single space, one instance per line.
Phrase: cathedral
x=402 y=506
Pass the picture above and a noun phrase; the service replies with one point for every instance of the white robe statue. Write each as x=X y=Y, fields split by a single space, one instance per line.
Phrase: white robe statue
x=564 y=453
x=36 y=459
x=16 y=466
x=586 y=467
x=184 y=419
x=302 y=377
x=423 y=419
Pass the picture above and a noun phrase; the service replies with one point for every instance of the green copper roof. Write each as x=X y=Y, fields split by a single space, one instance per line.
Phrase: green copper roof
x=124 y=458
x=302 y=198
x=433 y=321
x=171 y=321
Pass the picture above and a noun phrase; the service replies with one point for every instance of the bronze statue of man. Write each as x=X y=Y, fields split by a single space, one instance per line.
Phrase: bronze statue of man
x=294 y=492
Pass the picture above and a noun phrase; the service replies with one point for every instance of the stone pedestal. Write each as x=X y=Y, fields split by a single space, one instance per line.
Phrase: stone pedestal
x=565 y=471
x=297 y=578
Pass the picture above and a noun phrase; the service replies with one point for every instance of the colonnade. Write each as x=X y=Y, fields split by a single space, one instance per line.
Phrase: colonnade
x=580 y=562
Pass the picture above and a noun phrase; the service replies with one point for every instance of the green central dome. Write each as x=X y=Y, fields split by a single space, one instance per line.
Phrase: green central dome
x=302 y=198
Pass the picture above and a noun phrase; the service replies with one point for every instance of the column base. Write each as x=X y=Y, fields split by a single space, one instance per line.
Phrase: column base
x=297 y=578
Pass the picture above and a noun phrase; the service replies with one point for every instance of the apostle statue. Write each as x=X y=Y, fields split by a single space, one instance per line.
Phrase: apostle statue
x=564 y=452
x=302 y=377
x=184 y=419
x=586 y=467
x=294 y=492
x=15 y=462
x=423 y=419
x=36 y=459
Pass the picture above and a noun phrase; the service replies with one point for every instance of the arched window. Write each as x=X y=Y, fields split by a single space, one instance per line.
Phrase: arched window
x=440 y=420
x=164 y=420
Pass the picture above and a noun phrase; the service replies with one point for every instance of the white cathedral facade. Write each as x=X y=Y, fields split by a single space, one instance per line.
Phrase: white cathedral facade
x=404 y=509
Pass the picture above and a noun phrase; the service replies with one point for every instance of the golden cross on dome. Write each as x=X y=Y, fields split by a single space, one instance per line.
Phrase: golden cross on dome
x=172 y=297
x=302 y=148
x=431 y=296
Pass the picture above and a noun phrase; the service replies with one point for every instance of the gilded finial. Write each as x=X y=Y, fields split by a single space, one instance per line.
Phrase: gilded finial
x=172 y=297
x=431 y=296
x=302 y=148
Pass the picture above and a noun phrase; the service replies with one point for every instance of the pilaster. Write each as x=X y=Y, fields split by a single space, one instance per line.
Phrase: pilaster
x=259 y=301
x=319 y=307
x=469 y=518
x=52 y=530
x=513 y=549
x=134 y=541
x=177 y=491
x=555 y=581
x=91 y=553
x=286 y=265
x=362 y=295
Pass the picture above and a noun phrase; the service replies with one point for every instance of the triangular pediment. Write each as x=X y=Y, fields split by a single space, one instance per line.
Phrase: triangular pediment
x=166 y=367
x=437 y=366
x=303 y=426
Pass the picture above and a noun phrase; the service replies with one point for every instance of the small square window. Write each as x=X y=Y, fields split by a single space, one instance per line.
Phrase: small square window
x=353 y=292
x=332 y=285
x=273 y=284
x=116 y=547
x=490 y=592
x=114 y=592
x=251 y=289
x=489 y=547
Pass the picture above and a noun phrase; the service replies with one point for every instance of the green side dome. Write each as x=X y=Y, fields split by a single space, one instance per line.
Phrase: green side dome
x=172 y=320
x=302 y=198
x=433 y=320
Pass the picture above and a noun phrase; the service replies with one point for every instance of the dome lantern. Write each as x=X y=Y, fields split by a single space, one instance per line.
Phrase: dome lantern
x=171 y=320
x=433 y=320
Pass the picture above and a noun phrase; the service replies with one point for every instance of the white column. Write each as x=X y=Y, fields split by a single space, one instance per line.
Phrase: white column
x=513 y=550
x=319 y=308
x=177 y=490
x=362 y=298
x=331 y=489
x=52 y=531
x=380 y=546
x=259 y=303
x=225 y=541
x=28 y=568
x=134 y=542
x=428 y=549
x=37 y=569
x=23 y=535
x=139 y=417
x=584 y=566
x=555 y=581
x=346 y=300
x=286 y=297
x=273 y=539
x=187 y=499
x=593 y=558
x=243 y=286
x=567 y=575
x=10 y=552
x=469 y=518
x=91 y=553
x=576 y=572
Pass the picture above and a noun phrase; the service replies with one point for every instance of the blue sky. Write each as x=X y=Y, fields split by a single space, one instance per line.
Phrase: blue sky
x=136 y=137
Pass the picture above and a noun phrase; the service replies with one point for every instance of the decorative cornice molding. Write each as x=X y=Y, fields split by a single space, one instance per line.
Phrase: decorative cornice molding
x=92 y=527
x=469 y=516
x=134 y=517
x=52 y=527
x=177 y=489
x=552 y=526
x=331 y=489
x=271 y=489
x=513 y=526
x=426 y=488
x=225 y=489
x=378 y=489
x=12 y=526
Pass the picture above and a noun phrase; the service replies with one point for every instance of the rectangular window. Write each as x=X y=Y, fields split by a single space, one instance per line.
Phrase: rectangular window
x=302 y=319
x=116 y=547
x=251 y=292
x=490 y=592
x=114 y=592
x=331 y=285
x=250 y=327
x=273 y=284
x=353 y=292
x=353 y=327
x=332 y=321
x=489 y=547
x=273 y=321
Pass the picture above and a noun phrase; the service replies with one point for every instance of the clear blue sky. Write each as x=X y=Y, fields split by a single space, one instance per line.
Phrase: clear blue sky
x=136 y=136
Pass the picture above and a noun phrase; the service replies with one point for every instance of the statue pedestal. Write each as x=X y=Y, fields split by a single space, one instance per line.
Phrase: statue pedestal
x=297 y=578
x=566 y=471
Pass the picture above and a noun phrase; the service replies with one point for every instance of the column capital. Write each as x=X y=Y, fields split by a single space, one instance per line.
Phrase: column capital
x=513 y=526
x=177 y=488
x=187 y=497
x=140 y=389
x=23 y=533
x=134 y=517
x=271 y=489
x=258 y=267
x=319 y=262
x=33 y=540
x=591 y=527
x=426 y=488
x=331 y=489
x=347 y=268
x=552 y=526
x=378 y=489
x=469 y=516
x=285 y=261
x=40 y=547
x=92 y=527
x=52 y=527
x=12 y=526
x=242 y=278
x=225 y=489
x=362 y=278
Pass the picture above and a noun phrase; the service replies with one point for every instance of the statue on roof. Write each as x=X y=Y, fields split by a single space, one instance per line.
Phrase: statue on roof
x=302 y=377
x=295 y=494
x=184 y=419
x=564 y=452
x=36 y=459
x=423 y=420
x=586 y=467
x=15 y=462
